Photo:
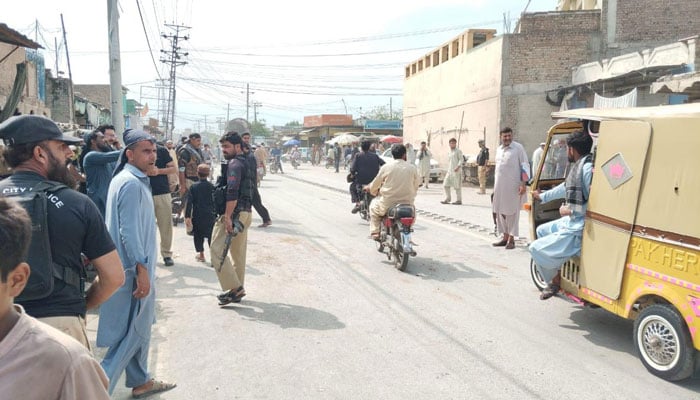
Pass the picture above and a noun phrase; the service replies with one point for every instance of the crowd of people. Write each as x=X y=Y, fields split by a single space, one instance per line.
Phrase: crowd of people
x=129 y=188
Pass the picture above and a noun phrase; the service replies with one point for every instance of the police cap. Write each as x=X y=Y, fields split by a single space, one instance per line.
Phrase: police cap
x=24 y=129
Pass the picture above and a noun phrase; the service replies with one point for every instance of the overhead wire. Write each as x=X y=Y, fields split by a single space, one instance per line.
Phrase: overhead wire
x=148 y=41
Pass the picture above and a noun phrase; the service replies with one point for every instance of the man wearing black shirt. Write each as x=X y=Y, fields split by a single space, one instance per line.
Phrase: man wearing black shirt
x=37 y=151
x=162 y=201
x=239 y=196
x=364 y=168
x=252 y=165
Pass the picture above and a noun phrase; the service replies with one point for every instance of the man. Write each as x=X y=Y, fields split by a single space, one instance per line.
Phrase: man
x=189 y=157
x=207 y=155
x=396 y=183
x=251 y=165
x=536 y=158
x=201 y=213
x=482 y=161
x=239 y=196
x=336 y=157
x=36 y=360
x=162 y=201
x=37 y=151
x=277 y=154
x=424 y=157
x=559 y=240
x=364 y=169
x=98 y=166
x=410 y=154
x=261 y=158
x=454 y=174
x=126 y=318
x=5 y=169
x=509 y=187
x=110 y=136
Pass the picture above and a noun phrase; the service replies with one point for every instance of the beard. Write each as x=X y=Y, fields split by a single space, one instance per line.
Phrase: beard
x=58 y=172
x=103 y=147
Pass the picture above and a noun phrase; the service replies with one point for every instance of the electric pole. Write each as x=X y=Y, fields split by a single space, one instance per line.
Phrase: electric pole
x=255 y=111
x=115 y=67
x=174 y=58
x=247 y=101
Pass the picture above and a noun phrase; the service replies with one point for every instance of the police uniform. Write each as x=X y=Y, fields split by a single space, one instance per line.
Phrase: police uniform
x=75 y=226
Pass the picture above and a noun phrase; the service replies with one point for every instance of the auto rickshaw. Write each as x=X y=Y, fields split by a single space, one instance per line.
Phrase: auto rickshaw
x=640 y=254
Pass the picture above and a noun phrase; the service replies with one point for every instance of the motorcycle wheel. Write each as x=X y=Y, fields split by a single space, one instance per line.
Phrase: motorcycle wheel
x=400 y=258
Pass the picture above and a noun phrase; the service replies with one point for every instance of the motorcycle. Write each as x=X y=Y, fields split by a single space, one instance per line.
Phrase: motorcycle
x=330 y=163
x=273 y=162
x=395 y=235
x=365 y=199
x=295 y=159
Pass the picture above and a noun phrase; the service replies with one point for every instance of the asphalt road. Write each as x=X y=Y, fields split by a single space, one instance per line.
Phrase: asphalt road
x=328 y=317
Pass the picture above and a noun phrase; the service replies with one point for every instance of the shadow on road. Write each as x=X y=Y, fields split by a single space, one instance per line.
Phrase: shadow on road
x=287 y=316
x=604 y=329
x=429 y=268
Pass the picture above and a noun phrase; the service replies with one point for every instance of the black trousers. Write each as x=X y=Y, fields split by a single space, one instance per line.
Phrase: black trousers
x=259 y=207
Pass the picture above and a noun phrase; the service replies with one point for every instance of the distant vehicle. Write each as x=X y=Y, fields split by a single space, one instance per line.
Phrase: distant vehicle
x=436 y=173
x=305 y=155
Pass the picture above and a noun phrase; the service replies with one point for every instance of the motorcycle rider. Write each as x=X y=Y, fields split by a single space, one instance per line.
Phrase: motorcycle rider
x=295 y=156
x=396 y=183
x=364 y=168
x=276 y=153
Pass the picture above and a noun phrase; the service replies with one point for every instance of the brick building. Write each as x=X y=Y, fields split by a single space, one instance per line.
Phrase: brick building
x=518 y=79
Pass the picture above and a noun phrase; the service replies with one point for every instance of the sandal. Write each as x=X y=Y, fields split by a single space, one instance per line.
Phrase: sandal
x=549 y=291
x=156 y=387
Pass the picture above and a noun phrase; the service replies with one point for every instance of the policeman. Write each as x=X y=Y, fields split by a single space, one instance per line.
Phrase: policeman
x=37 y=151
x=240 y=184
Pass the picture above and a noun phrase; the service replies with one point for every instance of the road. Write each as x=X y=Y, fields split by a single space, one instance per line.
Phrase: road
x=328 y=317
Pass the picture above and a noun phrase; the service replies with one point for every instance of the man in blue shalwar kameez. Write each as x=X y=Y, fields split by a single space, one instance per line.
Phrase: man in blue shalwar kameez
x=559 y=240
x=126 y=318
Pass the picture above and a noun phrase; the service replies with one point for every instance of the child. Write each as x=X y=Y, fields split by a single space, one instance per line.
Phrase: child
x=200 y=213
x=36 y=360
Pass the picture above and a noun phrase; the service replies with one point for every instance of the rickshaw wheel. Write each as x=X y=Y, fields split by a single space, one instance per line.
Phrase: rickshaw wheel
x=537 y=279
x=664 y=343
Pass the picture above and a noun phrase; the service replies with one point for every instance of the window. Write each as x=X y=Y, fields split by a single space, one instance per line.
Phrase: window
x=436 y=58
x=420 y=65
x=445 y=53
x=455 y=48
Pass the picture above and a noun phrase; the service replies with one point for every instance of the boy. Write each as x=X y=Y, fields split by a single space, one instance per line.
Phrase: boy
x=200 y=213
x=31 y=351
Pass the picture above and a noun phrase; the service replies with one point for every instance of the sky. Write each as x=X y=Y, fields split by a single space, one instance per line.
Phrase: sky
x=306 y=57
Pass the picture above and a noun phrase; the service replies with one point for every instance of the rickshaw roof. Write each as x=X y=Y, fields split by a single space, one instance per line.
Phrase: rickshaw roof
x=635 y=113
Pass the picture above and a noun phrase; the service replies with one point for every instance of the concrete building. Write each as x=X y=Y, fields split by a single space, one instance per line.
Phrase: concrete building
x=481 y=82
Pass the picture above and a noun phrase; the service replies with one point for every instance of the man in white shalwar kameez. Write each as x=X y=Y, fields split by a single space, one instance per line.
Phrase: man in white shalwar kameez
x=511 y=175
x=453 y=179
x=424 y=155
x=559 y=240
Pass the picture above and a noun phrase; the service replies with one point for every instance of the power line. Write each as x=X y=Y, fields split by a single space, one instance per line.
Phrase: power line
x=145 y=33
x=318 y=55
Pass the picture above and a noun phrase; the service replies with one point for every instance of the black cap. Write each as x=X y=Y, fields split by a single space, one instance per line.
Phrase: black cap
x=24 y=129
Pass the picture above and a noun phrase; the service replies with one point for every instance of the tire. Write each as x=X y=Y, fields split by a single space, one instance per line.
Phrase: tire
x=433 y=180
x=400 y=257
x=664 y=343
x=540 y=284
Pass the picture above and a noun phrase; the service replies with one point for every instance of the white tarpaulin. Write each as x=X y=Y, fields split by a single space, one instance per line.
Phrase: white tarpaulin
x=624 y=101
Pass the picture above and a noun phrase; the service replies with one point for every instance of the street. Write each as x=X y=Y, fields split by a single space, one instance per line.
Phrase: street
x=326 y=316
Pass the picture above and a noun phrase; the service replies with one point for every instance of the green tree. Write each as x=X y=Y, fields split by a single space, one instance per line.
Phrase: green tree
x=260 y=129
x=292 y=124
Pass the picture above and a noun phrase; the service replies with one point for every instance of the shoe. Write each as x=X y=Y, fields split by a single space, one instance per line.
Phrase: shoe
x=510 y=245
x=200 y=259
x=375 y=236
x=500 y=244
x=481 y=193
x=355 y=209
x=445 y=202
x=156 y=387
x=168 y=262
x=457 y=203
x=265 y=224
x=232 y=296
x=549 y=291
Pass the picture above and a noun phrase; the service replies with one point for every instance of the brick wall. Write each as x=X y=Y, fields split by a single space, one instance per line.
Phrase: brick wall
x=657 y=20
x=549 y=44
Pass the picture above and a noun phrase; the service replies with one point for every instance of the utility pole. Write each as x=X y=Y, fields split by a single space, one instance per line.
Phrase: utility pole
x=255 y=111
x=173 y=57
x=228 y=112
x=391 y=108
x=115 y=67
x=247 y=101
x=71 y=95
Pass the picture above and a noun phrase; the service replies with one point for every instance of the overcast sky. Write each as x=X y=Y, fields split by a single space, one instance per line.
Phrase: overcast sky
x=301 y=57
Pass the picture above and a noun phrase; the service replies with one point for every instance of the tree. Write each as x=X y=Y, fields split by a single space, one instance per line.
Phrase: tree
x=292 y=124
x=259 y=128
x=382 y=113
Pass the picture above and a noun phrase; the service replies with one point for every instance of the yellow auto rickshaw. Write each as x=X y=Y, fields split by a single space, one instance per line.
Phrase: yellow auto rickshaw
x=640 y=254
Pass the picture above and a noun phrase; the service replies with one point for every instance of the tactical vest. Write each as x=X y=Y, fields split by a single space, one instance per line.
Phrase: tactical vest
x=191 y=166
x=248 y=183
